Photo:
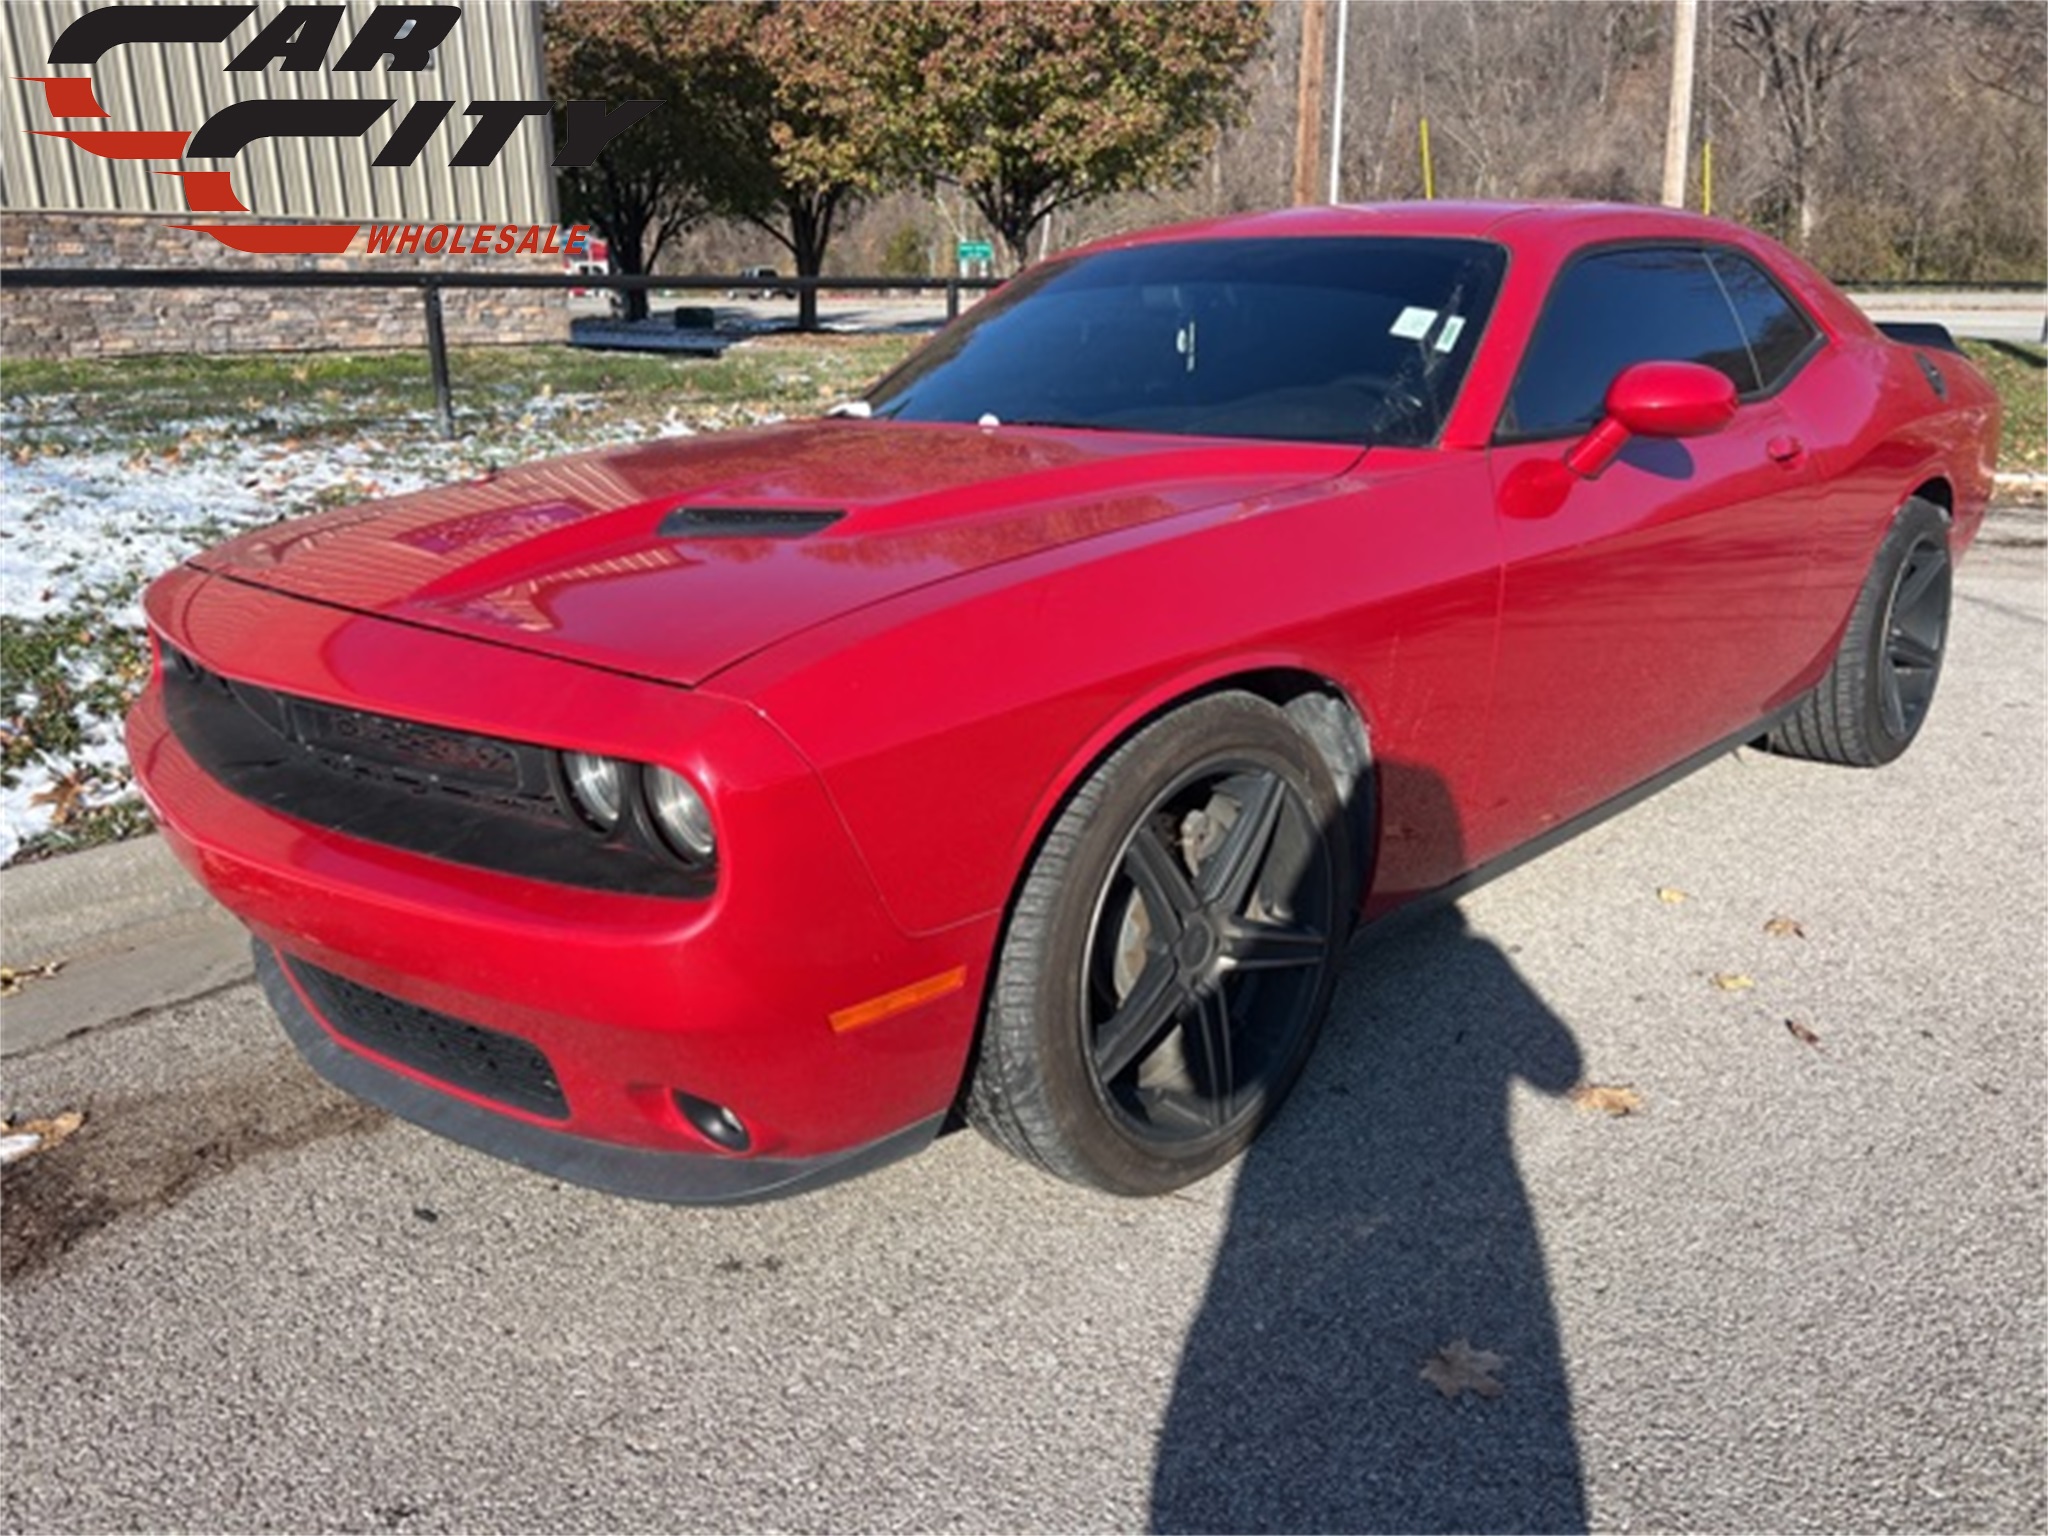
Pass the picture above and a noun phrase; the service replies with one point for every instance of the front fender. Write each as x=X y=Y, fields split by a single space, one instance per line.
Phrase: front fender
x=950 y=726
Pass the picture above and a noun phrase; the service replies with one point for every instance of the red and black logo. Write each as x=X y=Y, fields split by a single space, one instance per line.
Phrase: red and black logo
x=299 y=39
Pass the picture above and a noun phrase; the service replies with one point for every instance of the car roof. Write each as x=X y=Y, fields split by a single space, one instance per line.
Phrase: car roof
x=1518 y=224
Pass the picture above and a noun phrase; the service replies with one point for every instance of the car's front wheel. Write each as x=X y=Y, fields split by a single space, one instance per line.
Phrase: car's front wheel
x=1170 y=954
x=1876 y=694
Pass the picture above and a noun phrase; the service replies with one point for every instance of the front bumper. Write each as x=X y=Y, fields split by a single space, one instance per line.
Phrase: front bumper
x=638 y=1172
x=632 y=999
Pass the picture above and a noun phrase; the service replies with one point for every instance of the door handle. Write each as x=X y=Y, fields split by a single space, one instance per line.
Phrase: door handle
x=1785 y=450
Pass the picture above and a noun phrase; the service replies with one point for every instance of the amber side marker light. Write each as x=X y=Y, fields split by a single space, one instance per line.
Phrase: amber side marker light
x=889 y=1004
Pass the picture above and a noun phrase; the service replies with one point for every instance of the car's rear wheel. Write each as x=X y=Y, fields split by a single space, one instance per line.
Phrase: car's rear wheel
x=1876 y=694
x=1170 y=954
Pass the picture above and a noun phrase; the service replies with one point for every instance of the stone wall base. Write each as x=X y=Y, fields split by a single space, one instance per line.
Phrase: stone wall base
x=108 y=322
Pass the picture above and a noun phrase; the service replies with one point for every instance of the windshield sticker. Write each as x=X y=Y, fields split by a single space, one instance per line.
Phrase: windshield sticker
x=1413 y=323
x=1447 y=338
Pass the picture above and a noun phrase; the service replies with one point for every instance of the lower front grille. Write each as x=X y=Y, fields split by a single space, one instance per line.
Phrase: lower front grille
x=496 y=1066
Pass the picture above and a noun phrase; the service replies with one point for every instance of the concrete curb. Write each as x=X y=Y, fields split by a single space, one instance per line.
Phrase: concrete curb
x=132 y=931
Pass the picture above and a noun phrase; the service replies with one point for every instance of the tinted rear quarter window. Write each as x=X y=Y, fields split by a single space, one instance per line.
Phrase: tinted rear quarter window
x=1609 y=310
x=1779 y=336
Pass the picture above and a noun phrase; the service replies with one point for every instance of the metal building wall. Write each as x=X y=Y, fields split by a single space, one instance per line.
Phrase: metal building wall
x=494 y=53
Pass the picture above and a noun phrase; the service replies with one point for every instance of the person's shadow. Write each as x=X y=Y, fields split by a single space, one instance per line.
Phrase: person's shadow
x=1379 y=1221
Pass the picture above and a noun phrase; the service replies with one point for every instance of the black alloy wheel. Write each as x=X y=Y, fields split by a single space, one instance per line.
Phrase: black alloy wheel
x=1877 y=692
x=1915 y=632
x=1205 y=953
x=1171 y=953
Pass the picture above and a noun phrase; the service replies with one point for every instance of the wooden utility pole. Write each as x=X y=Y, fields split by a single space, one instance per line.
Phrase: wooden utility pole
x=1308 y=106
x=1678 y=127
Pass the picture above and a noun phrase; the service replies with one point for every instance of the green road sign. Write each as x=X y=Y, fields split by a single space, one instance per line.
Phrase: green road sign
x=977 y=250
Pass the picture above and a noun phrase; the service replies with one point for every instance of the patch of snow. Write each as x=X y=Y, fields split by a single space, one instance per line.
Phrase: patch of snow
x=21 y=818
x=77 y=526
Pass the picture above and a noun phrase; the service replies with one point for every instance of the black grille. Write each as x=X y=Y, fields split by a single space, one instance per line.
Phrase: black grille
x=481 y=1061
x=455 y=795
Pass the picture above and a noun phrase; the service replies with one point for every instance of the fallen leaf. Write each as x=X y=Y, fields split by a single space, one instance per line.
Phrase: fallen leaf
x=1615 y=1099
x=1732 y=981
x=1458 y=1367
x=31 y=1136
x=1784 y=928
x=54 y=1129
x=1801 y=1033
x=1671 y=895
x=14 y=978
x=62 y=798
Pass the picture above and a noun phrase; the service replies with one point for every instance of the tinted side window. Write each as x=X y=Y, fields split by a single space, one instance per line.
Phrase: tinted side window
x=1778 y=334
x=1610 y=310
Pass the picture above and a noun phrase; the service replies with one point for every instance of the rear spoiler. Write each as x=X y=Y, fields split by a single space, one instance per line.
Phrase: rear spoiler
x=1919 y=333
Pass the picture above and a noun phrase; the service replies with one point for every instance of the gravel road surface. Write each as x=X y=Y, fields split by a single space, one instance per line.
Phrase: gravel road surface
x=1800 y=1287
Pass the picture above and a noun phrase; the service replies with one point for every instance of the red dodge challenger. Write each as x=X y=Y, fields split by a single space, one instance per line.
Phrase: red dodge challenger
x=708 y=820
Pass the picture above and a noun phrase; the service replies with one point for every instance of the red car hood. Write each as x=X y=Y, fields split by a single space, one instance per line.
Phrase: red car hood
x=570 y=557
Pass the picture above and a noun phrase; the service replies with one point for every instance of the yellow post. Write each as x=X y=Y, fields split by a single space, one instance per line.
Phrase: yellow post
x=1707 y=177
x=1428 y=170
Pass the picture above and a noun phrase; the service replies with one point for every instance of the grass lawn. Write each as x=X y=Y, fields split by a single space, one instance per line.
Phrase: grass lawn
x=152 y=404
x=2020 y=373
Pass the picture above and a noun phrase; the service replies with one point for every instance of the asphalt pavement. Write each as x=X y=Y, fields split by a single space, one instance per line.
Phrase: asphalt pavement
x=1800 y=1287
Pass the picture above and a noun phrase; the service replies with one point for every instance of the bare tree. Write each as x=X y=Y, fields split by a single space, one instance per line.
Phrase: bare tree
x=1911 y=135
x=2005 y=46
x=1805 y=49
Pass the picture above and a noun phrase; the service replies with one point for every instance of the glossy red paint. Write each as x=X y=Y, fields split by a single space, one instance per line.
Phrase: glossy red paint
x=1655 y=400
x=565 y=557
x=885 y=716
x=1671 y=400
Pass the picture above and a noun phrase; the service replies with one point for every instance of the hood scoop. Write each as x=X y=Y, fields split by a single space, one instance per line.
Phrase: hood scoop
x=744 y=523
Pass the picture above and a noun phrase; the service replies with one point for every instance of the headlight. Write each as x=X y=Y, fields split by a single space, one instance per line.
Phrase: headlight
x=680 y=814
x=597 y=787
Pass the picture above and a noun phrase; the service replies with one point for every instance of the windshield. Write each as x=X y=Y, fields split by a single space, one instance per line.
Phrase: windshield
x=1336 y=340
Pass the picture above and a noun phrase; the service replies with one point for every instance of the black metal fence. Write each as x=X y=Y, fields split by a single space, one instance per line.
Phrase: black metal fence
x=430 y=285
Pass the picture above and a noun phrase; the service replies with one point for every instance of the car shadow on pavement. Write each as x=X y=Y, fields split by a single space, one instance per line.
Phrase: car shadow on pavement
x=1381 y=1220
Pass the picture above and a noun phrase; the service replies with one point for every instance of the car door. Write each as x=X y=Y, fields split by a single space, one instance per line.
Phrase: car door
x=1648 y=611
x=1820 y=420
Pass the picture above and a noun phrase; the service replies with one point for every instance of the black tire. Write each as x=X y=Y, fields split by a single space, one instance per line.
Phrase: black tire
x=1876 y=694
x=1170 y=954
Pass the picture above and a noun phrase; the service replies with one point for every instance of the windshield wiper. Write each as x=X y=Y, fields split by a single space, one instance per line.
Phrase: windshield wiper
x=1052 y=422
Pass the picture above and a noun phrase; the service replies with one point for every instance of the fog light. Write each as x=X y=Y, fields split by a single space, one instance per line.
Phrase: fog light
x=597 y=788
x=714 y=1122
x=681 y=815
